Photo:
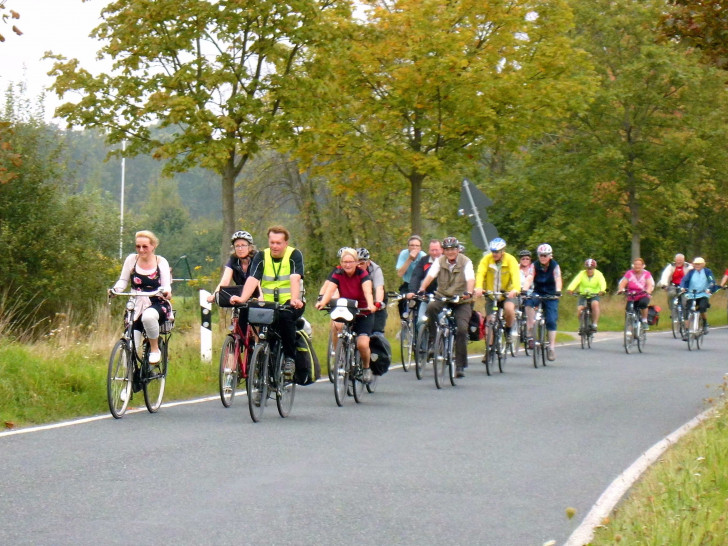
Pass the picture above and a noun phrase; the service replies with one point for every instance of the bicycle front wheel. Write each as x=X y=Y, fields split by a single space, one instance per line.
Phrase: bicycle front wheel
x=156 y=378
x=119 y=379
x=629 y=334
x=451 y=368
x=331 y=356
x=285 y=390
x=676 y=321
x=405 y=343
x=502 y=349
x=439 y=362
x=641 y=337
x=257 y=383
x=421 y=351
x=372 y=385
x=536 y=344
x=228 y=376
x=490 y=334
x=584 y=329
x=341 y=373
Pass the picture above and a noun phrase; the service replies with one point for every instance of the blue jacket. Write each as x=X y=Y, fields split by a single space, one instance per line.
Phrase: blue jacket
x=710 y=280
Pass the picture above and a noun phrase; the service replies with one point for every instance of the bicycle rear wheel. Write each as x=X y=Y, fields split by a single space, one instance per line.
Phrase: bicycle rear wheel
x=372 y=385
x=357 y=385
x=641 y=337
x=257 y=383
x=439 y=362
x=119 y=379
x=421 y=350
x=341 y=373
x=285 y=389
x=405 y=343
x=228 y=375
x=331 y=355
x=156 y=377
x=676 y=320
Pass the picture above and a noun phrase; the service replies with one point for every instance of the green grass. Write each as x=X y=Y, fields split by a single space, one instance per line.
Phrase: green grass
x=682 y=499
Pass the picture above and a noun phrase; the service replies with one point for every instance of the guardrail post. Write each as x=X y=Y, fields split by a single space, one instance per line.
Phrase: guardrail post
x=205 y=327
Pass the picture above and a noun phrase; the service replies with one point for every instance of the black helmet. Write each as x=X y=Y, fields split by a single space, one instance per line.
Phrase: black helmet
x=524 y=252
x=241 y=235
x=450 y=242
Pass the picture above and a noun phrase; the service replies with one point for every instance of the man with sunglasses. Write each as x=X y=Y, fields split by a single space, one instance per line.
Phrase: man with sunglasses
x=589 y=281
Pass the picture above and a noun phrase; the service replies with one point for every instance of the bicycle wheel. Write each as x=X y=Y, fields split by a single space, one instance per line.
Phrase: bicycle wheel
x=119 y=379
x=156 y=378
x=502 y=349
x=584 y=329
x=629 y=334
x=357 y=385
x=641 y=337
x=228 y=376
x=542 y=343
x=523 y=338
x=331 y=355
x=536 y=343
x=439 y=362
x=676 y=321
x=341 y=372
x=257 y=383
x=490 y=349
x=285 y=389
x=421 y=351
x=405 y=343
x=692 y=331
x=372 y=385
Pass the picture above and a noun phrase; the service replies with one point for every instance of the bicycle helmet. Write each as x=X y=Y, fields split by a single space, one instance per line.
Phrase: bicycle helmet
x=363 y=254
x=461 y=248
x=590 y=262
x=545 y=248
x=340 y=251
x=241 y=235
x=524 y=253
x=497 y=244
x=450 y=242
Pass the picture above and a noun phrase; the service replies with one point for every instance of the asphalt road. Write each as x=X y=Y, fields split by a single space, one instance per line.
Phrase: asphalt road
x=495 y=460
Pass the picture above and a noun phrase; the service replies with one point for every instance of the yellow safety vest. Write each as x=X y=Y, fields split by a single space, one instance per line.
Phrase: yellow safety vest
x=277 y=281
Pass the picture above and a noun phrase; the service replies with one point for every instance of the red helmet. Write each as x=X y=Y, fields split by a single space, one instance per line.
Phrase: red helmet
x=590 y=262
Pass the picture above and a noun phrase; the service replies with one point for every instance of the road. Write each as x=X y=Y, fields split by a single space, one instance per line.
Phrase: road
x=494 y=461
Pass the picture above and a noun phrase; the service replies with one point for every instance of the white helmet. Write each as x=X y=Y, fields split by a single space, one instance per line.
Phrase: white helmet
x=545 y=248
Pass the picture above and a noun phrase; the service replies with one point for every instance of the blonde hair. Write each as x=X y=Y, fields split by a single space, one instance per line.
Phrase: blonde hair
x=149 y=235
x=351 y=252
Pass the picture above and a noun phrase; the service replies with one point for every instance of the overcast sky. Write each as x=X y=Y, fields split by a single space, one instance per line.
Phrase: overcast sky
x=61 y=26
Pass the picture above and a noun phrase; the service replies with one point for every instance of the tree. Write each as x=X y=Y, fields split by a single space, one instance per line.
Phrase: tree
x=210 y=74
x=702 y=24
x=10 y=14
x=413 y=93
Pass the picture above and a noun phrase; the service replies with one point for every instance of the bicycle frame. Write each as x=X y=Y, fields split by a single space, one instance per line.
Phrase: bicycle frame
x=633 y=330
x=235 y=358
x=495 y=337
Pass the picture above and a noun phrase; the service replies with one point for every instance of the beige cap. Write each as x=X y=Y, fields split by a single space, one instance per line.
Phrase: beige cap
x=698 y=260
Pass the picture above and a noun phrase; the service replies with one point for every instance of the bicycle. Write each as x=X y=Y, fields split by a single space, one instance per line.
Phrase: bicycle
x=422 y=340
x=541 y=343
x=586 y=332
x=128 y=372
x=676 y=314
x=496 y=344
x=348 y=368
x=235 y=357
x=265 y=374
x=522 y=325
x=407 y=335
x=695 y=330
x=634 y=332
x=443 y=361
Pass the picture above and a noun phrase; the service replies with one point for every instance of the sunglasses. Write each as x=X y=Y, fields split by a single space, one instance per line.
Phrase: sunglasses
x=139 y=247
x=544 y=255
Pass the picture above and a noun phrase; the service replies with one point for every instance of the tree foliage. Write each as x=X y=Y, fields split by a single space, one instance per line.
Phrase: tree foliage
x=702 y=24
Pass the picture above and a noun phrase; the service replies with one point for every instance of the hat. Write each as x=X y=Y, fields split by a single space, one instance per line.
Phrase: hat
x=698 y=260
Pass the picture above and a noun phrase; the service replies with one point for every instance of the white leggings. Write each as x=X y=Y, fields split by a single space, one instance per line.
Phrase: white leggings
x=150 y=321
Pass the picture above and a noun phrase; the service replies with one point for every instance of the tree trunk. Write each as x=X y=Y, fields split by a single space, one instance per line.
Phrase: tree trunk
x=228 y=209
x=634 y=218
x=416 y=182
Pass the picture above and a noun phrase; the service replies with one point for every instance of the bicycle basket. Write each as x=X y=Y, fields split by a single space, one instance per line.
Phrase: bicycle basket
x=223 y=296
x=167 y=325
x=344 y=310
x=262 y=313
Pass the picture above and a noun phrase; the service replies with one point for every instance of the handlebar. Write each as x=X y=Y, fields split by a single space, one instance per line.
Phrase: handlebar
x=112 y=294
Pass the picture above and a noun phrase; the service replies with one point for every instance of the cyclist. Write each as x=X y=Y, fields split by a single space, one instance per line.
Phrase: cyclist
x=278 y=272
x=525 y=264
x=699 y=279
x=434 y=251
x=639 y=282
x=499 y=271
x=455 y=276
x=238 y=264
x=547 y=281
x=406 y=265
x=589 y=280
x=672 y=276
x=147 y=272
x=377 y=276
x=354 y=283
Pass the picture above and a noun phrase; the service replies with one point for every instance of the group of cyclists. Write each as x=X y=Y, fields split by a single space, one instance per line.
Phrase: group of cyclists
x=276 y=273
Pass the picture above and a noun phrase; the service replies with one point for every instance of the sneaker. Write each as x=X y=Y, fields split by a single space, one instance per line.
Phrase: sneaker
x=125 y=393
x=289 y=368
x=256 y=398
x=593 y=329
x=706 y=326
x=530 y=343
x=366 y=376
x=155 y=357
x=459 y=372
x=509 y=337
x=551 y=355
x=645 y=326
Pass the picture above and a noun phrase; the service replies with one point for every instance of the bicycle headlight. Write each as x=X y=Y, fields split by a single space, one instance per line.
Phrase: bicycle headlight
x=130 y=305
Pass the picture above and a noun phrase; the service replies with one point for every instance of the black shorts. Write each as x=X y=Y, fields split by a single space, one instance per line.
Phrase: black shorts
x=363 y=325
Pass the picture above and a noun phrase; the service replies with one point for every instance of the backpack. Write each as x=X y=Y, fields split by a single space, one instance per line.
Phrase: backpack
x=381 y=353
x=476 y=327
x=653 y=314
x=308 y=368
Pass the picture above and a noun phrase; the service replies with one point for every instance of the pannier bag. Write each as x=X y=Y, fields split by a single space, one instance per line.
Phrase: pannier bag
x=262 y=313
x=308 y=368
x=226 y=292
x=653 y=315
x=381 y=356
x=476 y=327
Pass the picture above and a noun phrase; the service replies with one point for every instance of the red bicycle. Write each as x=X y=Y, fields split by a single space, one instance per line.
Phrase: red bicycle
x=237 y=349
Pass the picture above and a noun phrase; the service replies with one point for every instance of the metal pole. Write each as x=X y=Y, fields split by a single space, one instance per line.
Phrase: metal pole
x=478 y=222
x=121 y=214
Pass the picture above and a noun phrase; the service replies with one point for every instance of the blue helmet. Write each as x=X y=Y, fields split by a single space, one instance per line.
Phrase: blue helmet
x=497 y=244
